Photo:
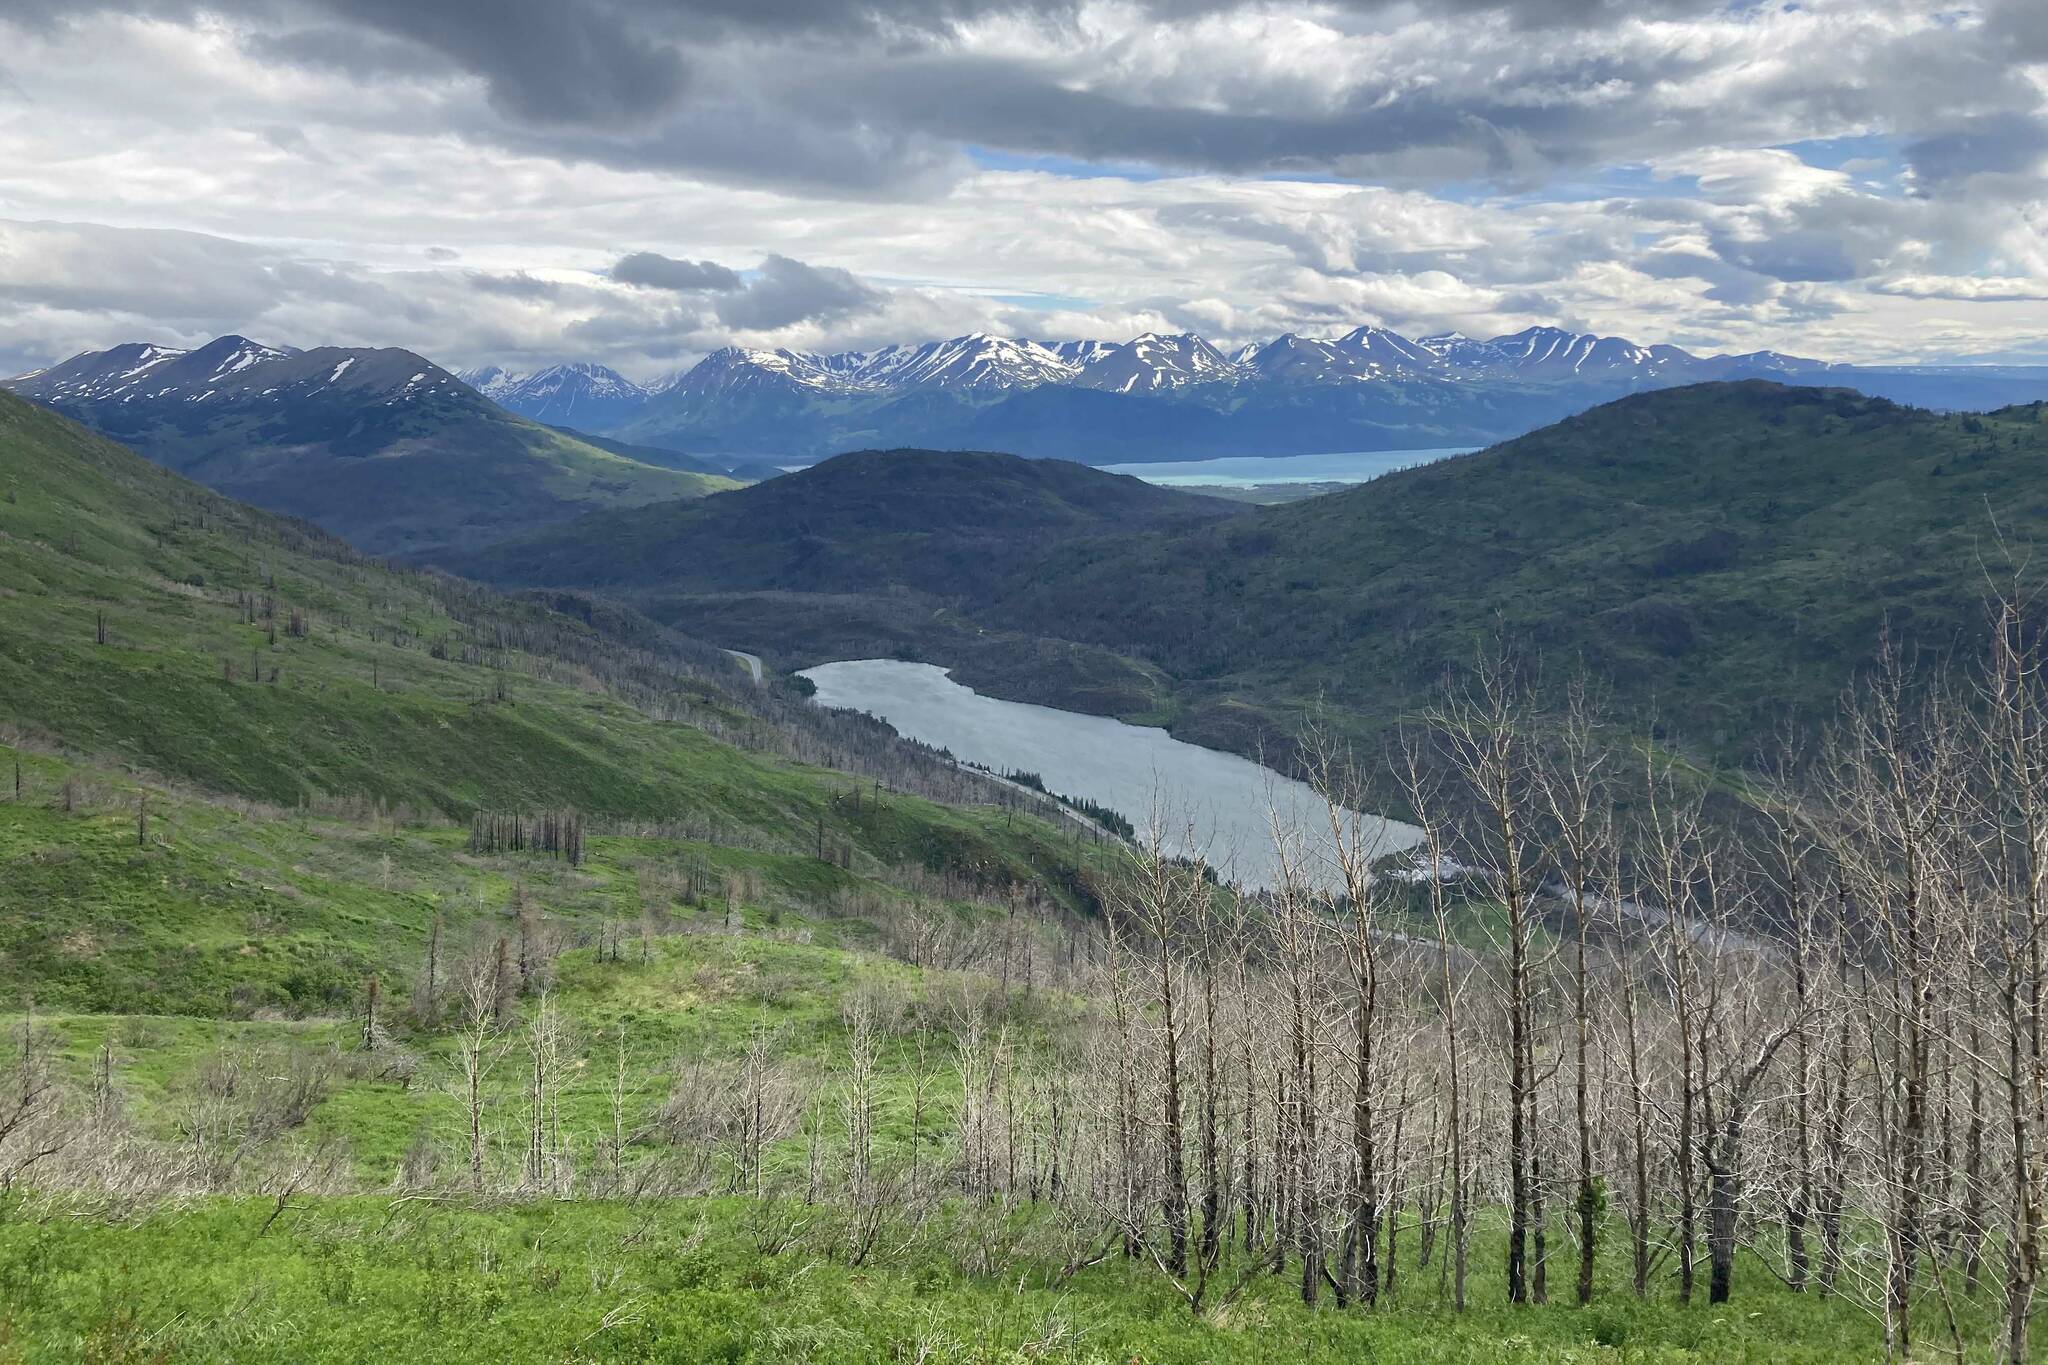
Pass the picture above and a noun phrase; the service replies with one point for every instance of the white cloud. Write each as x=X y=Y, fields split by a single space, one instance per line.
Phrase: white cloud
x=343 y=172
x=1968 y=288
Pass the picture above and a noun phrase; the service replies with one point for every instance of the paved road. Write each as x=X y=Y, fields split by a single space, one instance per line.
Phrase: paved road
x=753 y=663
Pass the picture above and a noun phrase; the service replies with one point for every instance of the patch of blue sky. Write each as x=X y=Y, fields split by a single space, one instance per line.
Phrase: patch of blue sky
x=1073 y=168
x=1067 y=167
x=1875 y=161
x=1632 y=180
x=1862 y=149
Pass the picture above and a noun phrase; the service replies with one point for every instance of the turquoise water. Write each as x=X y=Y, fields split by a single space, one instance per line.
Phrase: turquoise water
x=1243 y=471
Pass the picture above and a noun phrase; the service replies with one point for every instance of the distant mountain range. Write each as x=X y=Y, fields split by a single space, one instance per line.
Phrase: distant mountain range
x=380 y=446
x=403 y=457
x=1171 y=397
x=584 y=396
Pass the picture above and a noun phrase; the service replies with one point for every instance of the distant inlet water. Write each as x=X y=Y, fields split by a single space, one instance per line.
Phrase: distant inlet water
x=1246 y=471
x=1227 y=801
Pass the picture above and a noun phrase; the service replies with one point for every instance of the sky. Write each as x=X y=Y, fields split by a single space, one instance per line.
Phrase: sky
x=636 y=182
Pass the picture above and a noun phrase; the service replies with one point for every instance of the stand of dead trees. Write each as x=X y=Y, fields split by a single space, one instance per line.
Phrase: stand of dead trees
x=1578 y=1015
x=1809 y=1033
x=559 y=834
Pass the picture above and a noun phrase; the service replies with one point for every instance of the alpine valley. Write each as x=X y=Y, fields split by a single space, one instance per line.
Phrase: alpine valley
x=1024 y=682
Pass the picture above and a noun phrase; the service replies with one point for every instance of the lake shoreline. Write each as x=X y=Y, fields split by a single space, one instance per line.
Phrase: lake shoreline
x=1209 y=801
x=1341 y=467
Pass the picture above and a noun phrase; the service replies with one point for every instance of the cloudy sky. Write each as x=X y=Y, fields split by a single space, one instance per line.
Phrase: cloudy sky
x=637 y=181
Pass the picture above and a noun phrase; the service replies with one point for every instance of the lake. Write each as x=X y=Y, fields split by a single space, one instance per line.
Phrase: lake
x=1246 y=471
x=1227 y=798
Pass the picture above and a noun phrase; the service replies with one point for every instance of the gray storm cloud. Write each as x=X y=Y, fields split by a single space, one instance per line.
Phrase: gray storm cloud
x=787 y=291
x=652 y=270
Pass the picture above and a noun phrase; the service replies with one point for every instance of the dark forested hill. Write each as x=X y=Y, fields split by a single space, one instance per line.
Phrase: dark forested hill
x=1725 y=552
x=868 y=553
x=948 y=523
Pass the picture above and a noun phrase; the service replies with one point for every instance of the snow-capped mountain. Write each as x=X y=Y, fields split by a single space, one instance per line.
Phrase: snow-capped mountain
x=984 y=367
x=1368 y=387
x=1298 y=360
x=579 y=394
x=968 y=364
x=1152 y=397
x=1081 y=354
x=1152 y=362
x=1551 y=353
x=379 y=445
x=490 y=380
x=740 y=371
x=232 y=371
x=1376 y=348
x=140 y=370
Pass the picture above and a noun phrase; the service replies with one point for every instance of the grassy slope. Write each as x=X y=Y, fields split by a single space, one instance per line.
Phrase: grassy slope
x=228 y=908
x=92 y=532
x=187 y=940
x=407 y=691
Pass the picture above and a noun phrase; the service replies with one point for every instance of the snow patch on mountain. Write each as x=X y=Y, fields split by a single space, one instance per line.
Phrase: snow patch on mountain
x=229 y=370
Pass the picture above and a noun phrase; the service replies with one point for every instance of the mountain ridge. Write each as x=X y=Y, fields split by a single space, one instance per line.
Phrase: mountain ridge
x=379 y=445
x=577 y=394
x=1181 y=397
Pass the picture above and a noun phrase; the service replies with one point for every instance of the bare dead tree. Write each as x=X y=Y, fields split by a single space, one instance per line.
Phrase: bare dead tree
x=1356 y=842
x=1484 y=731
x=2015 y=740
x=1574 y=786
x=1422 y=791
x=478 y=1048
x=1297 y=924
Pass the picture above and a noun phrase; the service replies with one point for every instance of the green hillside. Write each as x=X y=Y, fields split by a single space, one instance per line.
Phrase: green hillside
x=873 y=553
x=1726 y=552
x=948 y=523
x=148 y=624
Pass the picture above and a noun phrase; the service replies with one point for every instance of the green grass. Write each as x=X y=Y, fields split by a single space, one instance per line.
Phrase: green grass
x=344 y=1277
x=306 y=829
x=403 y=692
x=230 y=908
x=361 y=1278
x=717 y=1278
